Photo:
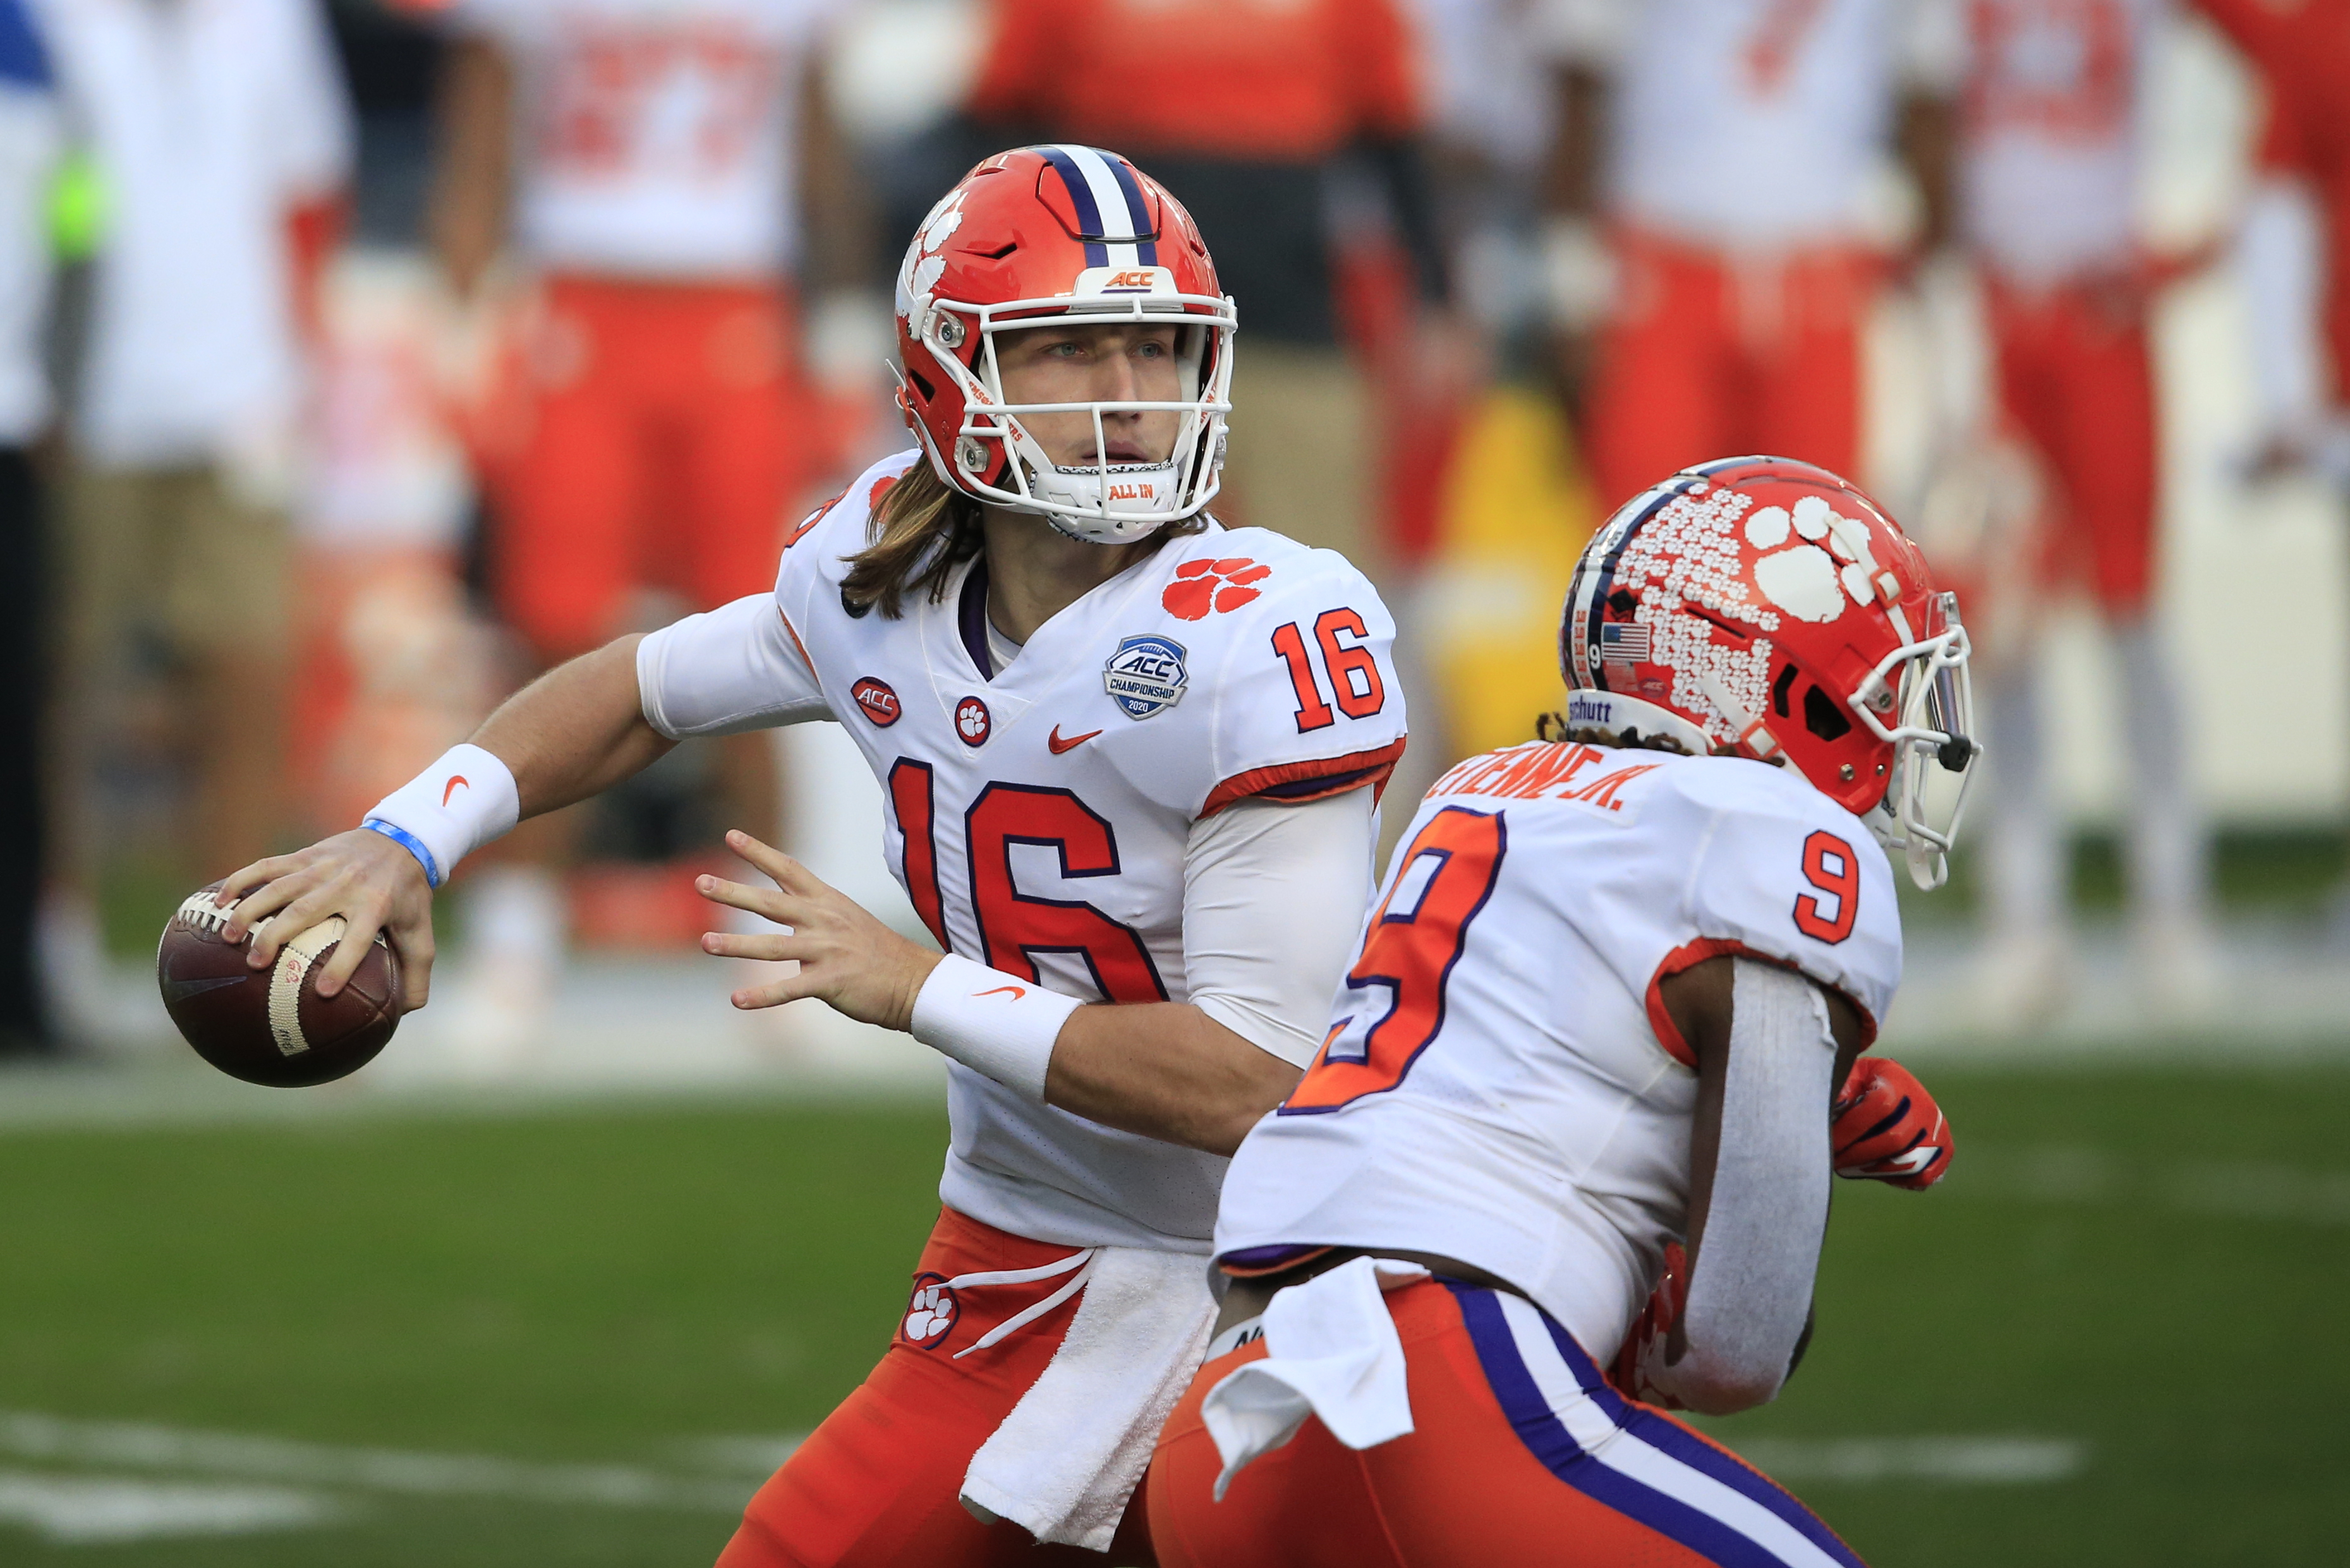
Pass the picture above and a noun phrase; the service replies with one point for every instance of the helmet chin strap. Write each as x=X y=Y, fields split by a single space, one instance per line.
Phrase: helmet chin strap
x=1090 y=490
x=1754 y=737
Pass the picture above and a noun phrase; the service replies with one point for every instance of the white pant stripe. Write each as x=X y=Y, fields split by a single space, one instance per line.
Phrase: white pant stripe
x=1629 y=1455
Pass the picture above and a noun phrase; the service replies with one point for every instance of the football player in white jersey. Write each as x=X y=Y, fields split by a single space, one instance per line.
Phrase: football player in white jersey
x=1130 y=759
x=1600 y=1013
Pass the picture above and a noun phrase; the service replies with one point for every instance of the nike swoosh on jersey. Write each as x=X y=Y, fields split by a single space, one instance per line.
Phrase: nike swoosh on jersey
x=181 y=990
x=1056 y=744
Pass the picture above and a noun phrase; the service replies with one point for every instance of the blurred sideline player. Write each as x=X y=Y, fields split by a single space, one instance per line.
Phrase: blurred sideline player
x=30 y=135
x=2041 y=189
x=1711 y=177
x=1130 y=757
x=221 y=135
x=1253 y=102
x=2295 y=250
x=1604 y=1003
x=660 y=170
x=2297 y=241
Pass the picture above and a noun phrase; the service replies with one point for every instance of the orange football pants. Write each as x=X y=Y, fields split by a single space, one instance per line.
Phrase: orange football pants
x=666 y=438
x=1520 y=1454
x=2075 y=378
x=1711 y=354
x=876 y=1485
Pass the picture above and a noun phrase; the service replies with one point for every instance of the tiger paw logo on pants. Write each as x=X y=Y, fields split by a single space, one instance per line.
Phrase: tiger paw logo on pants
x=930 y=1312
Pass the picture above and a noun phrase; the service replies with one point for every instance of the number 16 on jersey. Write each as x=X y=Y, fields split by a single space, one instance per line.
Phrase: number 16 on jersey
x=1416 y=936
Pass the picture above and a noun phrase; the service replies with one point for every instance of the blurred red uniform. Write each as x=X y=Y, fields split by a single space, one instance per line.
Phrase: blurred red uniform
x=2302 y=48
x=654 y=193
x=2048 y=97
x=1740 y=146
x=909 y=1431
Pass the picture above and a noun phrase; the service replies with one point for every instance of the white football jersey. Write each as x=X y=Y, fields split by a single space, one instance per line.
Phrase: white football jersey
x=2051 y=93
x=1501 y=1083
x=657 y=138
x=1038 y=813
x=1740 y=122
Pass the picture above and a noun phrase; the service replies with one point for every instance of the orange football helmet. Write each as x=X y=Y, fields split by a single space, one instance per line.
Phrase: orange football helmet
x=1036 y=235
x=1767 y=608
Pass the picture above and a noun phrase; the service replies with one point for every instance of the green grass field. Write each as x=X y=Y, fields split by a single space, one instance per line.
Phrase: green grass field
x=2148 y=1264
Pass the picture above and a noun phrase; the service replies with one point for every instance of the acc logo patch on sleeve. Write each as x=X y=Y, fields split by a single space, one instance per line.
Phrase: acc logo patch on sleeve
x=1146 y=675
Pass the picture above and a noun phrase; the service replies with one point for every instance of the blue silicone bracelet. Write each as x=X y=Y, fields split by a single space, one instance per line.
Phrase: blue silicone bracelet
x=409 y=841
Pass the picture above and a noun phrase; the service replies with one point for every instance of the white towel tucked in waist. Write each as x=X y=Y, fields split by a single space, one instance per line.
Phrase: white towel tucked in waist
x=1331 y=1350
x=1067 y=1460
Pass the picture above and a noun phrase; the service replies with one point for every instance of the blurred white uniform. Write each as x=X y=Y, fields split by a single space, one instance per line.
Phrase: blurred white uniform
x=657 y=138
x=1501 y=1083
x=210 y=120
x=1054 y=809
x=1740 y=122
x=2051 y=100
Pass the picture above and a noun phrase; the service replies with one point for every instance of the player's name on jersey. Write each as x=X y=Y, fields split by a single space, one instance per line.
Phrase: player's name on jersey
x=1542 y=768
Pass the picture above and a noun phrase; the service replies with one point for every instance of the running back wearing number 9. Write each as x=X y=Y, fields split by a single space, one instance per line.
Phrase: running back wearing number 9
x=1415 y=938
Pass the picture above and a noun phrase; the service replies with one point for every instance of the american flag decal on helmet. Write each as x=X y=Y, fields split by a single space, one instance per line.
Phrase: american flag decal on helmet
x=1112 y=220
x=1620 y=643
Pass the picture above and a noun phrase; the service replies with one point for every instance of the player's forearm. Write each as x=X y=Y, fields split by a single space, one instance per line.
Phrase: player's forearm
x=1761 y=1197
x=1165 y=1070
x=469 y=197
x=576 y=731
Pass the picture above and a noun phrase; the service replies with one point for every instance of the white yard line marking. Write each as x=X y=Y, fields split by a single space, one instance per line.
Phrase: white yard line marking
x=1946 y=1461
x=2227 y=1190
x=760 y=1455
x=74 y=1511
x=137 y=1446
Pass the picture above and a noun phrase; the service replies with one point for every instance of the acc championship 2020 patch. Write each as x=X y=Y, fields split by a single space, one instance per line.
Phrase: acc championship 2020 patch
x=1146 y=675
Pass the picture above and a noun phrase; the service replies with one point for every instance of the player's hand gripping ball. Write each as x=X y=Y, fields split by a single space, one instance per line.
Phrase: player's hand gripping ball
x=1887 y=1129
x=271 y=1026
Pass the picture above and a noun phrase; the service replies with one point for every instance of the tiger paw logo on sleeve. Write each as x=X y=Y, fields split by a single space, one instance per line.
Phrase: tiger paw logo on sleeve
x=1201 y=587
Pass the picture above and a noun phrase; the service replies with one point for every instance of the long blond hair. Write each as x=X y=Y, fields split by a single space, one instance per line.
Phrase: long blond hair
x=922 y=531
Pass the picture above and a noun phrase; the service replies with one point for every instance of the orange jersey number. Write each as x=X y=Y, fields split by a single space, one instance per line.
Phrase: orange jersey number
x=1416 y=936
x=1830 y=865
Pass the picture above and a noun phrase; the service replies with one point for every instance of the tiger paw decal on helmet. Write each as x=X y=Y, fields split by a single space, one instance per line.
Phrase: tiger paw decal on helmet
x=1203 y=586
x=1828 y=564
x=1764 y=607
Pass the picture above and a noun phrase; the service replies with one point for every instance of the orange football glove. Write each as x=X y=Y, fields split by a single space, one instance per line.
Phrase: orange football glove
x=1887 y=1129
x=1644 y=1344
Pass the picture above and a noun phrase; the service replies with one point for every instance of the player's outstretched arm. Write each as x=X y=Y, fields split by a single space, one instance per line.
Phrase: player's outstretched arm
x=576 y=731
x=1166 y=1070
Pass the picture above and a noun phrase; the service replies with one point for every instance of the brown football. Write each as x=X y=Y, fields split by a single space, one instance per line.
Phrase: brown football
x=271 y=1026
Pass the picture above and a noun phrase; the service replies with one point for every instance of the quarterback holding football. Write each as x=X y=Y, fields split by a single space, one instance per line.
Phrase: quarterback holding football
x=1579 y=1098
x=1130 y=759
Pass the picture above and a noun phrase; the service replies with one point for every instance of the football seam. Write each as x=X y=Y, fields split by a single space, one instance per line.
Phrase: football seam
x=200 y=912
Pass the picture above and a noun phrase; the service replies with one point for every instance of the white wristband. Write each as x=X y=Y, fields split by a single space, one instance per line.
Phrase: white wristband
x=449 y=810
x=992 y=1022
